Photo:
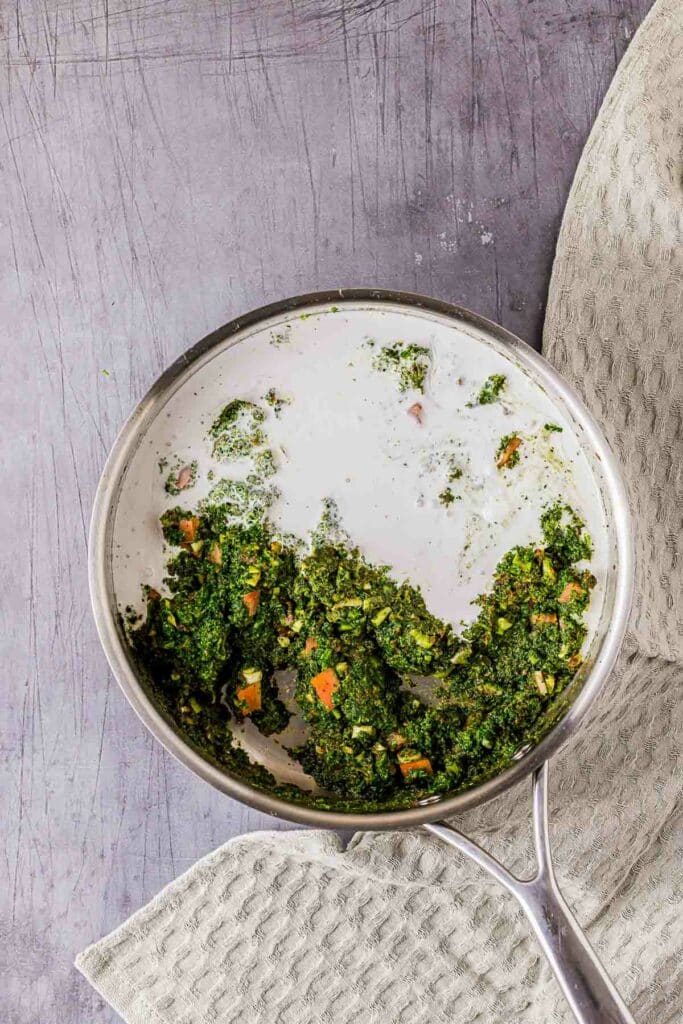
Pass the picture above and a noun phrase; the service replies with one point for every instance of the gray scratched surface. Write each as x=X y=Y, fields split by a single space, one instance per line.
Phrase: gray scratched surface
x=163 y=167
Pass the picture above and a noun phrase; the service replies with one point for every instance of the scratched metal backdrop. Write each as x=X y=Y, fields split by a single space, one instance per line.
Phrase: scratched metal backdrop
x=163 y=167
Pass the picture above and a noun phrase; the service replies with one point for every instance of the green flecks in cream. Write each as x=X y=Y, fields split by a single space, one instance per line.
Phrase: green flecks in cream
x=281 y=337
x=264 y=463
x=236 y=433
x=447 y=464
x=409 y=363
x=276 y=401
x=491 y=389
x=245 y=604
x=329 y=529
x=454 y=471
x=244 y=501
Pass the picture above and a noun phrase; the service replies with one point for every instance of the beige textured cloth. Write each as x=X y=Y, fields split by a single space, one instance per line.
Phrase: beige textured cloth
x=287 y=928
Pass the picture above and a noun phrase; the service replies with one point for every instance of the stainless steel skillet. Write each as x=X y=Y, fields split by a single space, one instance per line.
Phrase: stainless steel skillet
x=584 y=982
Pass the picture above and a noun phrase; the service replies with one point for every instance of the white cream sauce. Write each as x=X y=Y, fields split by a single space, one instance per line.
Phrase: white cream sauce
x=347 y=435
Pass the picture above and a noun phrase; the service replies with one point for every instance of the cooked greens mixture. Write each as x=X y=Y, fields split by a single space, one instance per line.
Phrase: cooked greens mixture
x=248 y=609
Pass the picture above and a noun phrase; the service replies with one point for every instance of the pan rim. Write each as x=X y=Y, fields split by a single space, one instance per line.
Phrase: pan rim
x=106 y=613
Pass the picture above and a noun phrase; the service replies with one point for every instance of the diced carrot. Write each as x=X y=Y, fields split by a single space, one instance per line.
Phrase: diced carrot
x=326 y=684
x=543 y=618
x=416 y=411
x=252 y=601
x=508 y=451
x=188 y=528
x=566 y=595
x=249 y=698
x=421 y=764
x=310 y=646
x=215 y=554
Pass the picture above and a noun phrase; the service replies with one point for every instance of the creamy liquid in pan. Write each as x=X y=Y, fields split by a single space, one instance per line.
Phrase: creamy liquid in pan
x=347 y=435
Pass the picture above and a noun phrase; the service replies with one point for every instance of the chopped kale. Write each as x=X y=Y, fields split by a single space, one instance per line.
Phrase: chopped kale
x=564 y=534
x=244 y=605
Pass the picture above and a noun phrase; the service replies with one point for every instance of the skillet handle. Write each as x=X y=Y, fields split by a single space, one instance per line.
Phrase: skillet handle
x=586 y=985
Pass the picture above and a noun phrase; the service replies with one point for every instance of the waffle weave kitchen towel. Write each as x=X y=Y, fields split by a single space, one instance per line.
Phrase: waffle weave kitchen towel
x=290 y=928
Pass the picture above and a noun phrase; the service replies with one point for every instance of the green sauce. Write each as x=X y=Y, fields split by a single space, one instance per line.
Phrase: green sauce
x=245 y=606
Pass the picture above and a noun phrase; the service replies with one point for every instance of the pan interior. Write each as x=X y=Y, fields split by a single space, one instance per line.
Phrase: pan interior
x=347 y=434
